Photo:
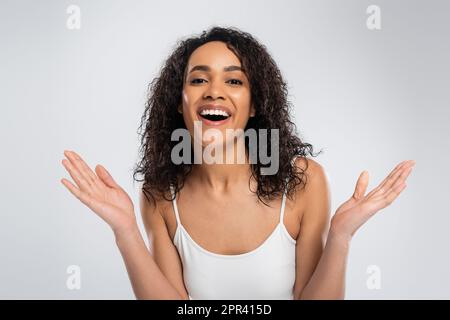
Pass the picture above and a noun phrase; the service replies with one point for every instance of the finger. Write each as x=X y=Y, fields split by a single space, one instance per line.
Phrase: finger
x=361 y=185
x=76 y=176
x=388 y=197
x=401 y=179
x=394 y=193
x=381 y=188
x=400 y=175
x=105 y=176
x=71 y=187
x=82 y=167
x=373 y=205
x=82 y=196
x=399 y=167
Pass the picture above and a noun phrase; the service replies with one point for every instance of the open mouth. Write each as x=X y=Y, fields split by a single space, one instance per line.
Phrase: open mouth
x=214 y=115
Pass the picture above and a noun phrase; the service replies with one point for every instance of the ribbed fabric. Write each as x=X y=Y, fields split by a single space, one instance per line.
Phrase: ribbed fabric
x=267 y=272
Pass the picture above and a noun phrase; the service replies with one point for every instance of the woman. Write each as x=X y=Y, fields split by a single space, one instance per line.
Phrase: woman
x=229 y=231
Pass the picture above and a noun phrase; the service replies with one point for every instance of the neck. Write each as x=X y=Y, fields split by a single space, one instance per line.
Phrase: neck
x=223 y=177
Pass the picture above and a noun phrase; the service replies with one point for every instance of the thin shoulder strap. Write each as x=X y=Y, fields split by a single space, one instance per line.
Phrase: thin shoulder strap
x=174 y=203
x=283 y=205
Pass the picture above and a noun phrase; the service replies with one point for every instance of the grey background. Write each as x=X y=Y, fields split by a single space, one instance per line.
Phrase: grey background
x=369 y=99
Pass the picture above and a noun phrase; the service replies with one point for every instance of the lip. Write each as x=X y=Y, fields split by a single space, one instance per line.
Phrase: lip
x=213 y=107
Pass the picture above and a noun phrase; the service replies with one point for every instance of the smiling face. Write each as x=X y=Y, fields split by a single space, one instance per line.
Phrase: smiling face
x=216 y=91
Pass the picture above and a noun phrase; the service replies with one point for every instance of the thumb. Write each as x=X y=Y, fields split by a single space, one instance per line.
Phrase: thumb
x=105 y=176
x=361 y=185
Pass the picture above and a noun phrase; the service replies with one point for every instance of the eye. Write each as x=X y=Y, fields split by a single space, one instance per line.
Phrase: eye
x=238 y=81
x=196 y=81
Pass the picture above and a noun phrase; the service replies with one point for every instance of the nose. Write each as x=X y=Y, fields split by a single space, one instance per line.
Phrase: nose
x=213 y=91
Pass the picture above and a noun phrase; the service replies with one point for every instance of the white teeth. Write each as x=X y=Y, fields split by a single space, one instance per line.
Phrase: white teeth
x=214 y=112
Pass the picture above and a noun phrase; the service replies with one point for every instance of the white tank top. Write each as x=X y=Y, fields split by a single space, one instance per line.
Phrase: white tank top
x=265 y=273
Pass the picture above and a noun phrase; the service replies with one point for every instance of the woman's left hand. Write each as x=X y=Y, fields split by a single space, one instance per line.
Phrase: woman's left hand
x=353 y=213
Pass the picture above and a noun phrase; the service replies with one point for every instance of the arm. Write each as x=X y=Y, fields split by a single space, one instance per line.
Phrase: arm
x=328 y=279
x=327 y=274
x=161 y=246
x=98 y=191
x=146 y=278
x=318 y=264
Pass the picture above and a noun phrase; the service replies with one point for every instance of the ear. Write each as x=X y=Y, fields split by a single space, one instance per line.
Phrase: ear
x=180 y=109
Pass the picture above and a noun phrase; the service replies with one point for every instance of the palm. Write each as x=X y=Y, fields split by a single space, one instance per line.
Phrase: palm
x=111 y=204
x=98 y=191
x=359 y=208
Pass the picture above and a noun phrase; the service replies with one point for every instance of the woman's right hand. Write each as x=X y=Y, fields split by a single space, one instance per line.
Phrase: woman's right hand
x=99 y=192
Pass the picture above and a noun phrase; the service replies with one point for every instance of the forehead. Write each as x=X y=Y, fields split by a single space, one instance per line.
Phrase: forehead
x=214 y=54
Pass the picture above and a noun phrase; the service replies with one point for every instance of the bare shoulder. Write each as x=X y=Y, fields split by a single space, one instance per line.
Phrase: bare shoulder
x=314 y=226
x=314 y=175
x=152 y=209
x=316 y=191
x=161 y=246
x=148 y=204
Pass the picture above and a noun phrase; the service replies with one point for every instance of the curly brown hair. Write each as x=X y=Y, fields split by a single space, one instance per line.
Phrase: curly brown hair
x=268 y=93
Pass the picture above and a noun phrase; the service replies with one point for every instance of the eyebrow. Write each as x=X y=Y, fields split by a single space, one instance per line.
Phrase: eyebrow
x=207 y=68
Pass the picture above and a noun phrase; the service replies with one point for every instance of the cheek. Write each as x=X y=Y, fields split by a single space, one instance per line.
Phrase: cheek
x=187 y=106
x=186 y=98
x=240 y=95
x=188 y=114
x=188 y=121
x=242 y=101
